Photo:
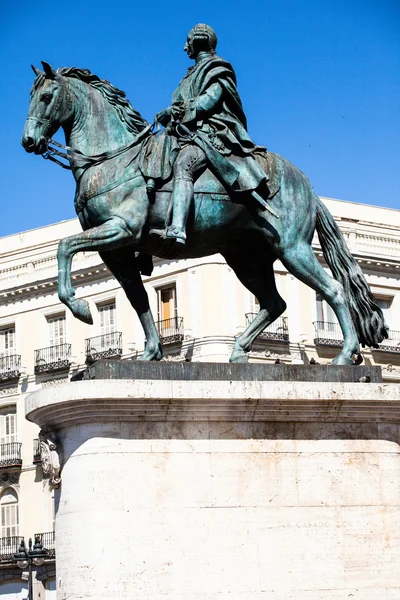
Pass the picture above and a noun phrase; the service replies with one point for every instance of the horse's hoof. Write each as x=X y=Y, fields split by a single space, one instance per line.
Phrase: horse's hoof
x=239 y=357
x=80 y=309
x=151 y=355
x=342 y=360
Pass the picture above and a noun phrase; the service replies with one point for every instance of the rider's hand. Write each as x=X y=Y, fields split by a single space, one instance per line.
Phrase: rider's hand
x=178 y=111
x=164 y=116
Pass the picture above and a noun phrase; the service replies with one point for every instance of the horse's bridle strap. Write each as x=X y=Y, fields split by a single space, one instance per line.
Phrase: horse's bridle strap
x=92 y=160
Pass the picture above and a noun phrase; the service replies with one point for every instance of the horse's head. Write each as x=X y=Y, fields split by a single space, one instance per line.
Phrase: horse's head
x=50 y=107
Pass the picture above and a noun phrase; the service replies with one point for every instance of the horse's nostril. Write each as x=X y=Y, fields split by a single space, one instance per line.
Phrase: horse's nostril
x=27 y=142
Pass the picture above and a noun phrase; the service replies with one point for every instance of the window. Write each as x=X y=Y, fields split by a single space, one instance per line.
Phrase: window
x=56 y=327
x=8 y=425
x=166 y=303
x=107 y=318
x=169 y=325
x=325 y=313
x=384 y=304
x=7 y=341
x=9 y=513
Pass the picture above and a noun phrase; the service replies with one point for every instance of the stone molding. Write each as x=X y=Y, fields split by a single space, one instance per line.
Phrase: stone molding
x=151 y=400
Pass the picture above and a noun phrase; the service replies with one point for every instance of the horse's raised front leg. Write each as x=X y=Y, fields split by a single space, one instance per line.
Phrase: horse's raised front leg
x=112 y=234
x=257 y=275
x=122 y=263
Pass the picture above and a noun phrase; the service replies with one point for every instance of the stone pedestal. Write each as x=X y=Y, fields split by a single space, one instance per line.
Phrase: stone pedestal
x=234 y=490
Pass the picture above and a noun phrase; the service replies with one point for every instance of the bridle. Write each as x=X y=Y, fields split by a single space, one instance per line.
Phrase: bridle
x=97 y=159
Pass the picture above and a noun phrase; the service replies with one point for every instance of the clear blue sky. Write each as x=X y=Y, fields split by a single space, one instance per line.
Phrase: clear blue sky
x=319 y=80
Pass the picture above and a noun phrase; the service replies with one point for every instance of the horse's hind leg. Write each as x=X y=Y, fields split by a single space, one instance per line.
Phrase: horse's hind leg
x=122 y=264
x=301 y=261
x=257 y=275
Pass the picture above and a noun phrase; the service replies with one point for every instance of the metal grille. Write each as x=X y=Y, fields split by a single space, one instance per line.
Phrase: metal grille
x=48 y=541
x=277 y=331
x=10 y=454
x=170 y=330
x=103 y=346
x=392 y=344
x=10 y=366
x=53 y=358
x=327 y=334
x=9 y=546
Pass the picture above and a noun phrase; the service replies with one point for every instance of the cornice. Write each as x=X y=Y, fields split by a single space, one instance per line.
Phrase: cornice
x=49 y=286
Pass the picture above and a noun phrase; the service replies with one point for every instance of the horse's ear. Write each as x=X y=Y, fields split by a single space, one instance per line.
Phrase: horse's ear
x=36 y=71
x=48 y=70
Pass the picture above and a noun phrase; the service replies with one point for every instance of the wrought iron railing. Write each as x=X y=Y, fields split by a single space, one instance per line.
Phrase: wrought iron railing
x=9 y=546
x=53 y=358
x=277 y=331
x=36 y=451
x=10 y=454
x=10 y=366
x=103 y=346
x=48 y=541
x=392 y=344
x=327 y=334
x=170 y=330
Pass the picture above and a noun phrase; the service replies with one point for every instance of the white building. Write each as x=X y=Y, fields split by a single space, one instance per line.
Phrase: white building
x=200 y=308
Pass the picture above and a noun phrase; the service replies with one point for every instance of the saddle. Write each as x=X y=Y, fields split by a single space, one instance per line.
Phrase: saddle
x=209 y=184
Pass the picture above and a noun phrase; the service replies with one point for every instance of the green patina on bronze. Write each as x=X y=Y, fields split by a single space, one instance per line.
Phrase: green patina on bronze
x=200 y=187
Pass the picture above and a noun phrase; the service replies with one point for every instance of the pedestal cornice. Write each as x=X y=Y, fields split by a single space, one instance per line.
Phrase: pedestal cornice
x=150 y=400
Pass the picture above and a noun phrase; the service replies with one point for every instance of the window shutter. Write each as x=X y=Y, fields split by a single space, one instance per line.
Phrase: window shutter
x=107 y=318
x=9 y=514
x=7 y=341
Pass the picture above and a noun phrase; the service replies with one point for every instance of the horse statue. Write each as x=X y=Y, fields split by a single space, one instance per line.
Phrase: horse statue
x=104 y=140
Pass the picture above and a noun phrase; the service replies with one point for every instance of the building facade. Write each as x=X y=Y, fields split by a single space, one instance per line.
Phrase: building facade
x=200 y=307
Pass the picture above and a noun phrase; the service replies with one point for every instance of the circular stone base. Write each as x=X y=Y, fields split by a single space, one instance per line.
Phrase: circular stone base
x=206 y=500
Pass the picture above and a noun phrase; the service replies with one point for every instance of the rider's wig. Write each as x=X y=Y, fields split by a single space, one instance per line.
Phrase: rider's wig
x=204 y=33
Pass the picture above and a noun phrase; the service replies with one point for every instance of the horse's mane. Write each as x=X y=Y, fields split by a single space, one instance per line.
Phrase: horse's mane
x=117 y=98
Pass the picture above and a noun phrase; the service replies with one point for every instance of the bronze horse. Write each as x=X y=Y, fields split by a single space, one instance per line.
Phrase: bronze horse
x=105 y=135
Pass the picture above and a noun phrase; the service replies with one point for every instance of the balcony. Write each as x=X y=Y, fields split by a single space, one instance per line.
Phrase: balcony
x=392 y=344
x=48 y=541
x=103 y=346
x=53 y=358
x=9 y=546
x=327 y=334
x=10 y=455
x=278 y=331
x=10 y=367
x=36 y=452
x=170 y=330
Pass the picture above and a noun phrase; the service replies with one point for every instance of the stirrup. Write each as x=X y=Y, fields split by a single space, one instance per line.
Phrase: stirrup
x=176 y=233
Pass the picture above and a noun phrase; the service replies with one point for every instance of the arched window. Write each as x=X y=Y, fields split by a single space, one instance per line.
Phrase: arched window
x=9 y=513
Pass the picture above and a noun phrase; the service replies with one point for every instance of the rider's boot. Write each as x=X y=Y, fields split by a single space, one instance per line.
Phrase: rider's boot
x=182 y=197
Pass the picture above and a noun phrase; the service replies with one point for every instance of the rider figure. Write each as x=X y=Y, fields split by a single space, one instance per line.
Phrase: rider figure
x=206 y=126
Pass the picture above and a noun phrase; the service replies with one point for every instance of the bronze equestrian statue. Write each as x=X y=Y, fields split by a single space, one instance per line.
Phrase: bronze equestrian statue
x=229 y=196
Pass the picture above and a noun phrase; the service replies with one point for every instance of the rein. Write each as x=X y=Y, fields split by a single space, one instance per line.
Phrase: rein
x=91 y=160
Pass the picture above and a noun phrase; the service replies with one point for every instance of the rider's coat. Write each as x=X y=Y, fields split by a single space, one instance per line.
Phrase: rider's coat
x=214 y=120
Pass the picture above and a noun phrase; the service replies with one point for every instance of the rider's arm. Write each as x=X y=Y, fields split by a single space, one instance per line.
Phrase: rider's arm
x=164 y=116
x=203 y=105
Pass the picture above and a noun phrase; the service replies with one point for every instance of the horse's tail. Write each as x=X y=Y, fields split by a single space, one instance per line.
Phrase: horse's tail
x=366 y=314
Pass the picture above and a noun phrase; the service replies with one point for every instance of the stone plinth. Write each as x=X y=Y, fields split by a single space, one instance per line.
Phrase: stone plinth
x=233 y=490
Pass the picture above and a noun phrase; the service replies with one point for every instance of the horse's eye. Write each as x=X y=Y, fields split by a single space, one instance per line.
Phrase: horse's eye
x=46 y=98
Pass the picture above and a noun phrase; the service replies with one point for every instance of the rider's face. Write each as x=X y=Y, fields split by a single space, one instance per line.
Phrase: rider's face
x=189 y=46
